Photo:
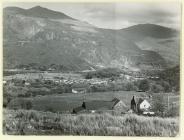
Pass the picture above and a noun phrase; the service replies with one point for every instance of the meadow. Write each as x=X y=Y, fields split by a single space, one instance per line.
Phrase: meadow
x=24 y=122
x=45 y=109
x=68 y=101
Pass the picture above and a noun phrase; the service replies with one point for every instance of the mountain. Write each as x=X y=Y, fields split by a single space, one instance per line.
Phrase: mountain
x=140 y=31
x=37 y=11
x=42 y=38
x=165 y=41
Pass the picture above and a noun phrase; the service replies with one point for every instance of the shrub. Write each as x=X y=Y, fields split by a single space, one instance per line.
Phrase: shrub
x=49 y=109
x=158 y=104
x=26 y=104
x=155 y=88
x=103 y=73
x=166 y=86
x=144 y=85
x=89 y=76
x=130 y=87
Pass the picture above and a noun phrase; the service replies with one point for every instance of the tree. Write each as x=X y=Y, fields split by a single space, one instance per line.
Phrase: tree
x=88 y=76
x=130 y=87
x=166 y=86
x=155 y=88
x=26 y=104
x=144 y=85
x=158 y=104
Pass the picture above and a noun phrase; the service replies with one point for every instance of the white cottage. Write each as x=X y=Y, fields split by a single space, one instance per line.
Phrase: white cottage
x=143 y=105
x=79 y=90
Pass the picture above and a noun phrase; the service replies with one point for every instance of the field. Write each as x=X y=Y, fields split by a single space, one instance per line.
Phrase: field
x=68 y=101
x=45 y=109
x=22 y=122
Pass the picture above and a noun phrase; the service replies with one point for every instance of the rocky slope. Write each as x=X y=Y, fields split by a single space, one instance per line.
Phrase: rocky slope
x=39 y=37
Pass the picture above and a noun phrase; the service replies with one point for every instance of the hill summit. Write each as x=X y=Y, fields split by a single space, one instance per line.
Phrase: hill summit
x=38 y=11
x=42 y=38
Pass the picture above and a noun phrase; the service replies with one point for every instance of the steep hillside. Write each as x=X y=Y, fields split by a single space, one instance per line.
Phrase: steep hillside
x=45 y=38
x=37 y=11
x=168 y=48
x=140 y=31
x=172 y=76
x=163 y=40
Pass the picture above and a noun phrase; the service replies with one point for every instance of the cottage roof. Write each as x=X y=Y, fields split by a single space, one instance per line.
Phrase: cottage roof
x=115 y=101
x=140 y=100
x=98 y=105
x=78 y=109
x=120 y=105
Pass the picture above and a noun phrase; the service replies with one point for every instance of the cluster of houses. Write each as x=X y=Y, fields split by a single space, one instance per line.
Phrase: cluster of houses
x=139 y=106
x=53 y=80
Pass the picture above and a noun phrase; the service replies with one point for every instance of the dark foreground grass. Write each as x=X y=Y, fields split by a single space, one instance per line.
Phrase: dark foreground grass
x=22 y=122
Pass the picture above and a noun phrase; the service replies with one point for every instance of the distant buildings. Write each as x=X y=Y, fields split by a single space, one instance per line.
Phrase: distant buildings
x=79 y=90
x=4 y=82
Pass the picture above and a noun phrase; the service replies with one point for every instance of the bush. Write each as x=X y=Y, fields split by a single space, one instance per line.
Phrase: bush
x=103 y=73
x=166 y=86
x=26 y=104
x=130 y=87
x=89 y=76
x=158 y=104
x=144 y=85
x=156 y=88
x=50 y=109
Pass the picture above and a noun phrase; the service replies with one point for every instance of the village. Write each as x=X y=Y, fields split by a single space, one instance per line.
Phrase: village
x=119 y=95
x=51 y=76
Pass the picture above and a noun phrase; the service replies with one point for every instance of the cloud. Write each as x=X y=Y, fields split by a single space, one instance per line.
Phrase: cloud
x=118 y=15
x=127 y=14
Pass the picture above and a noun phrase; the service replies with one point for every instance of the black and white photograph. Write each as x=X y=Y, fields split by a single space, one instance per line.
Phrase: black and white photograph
x=91 y=69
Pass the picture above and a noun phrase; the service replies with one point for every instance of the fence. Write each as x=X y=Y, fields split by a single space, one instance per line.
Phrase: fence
x=173 y=101
x=170 y=101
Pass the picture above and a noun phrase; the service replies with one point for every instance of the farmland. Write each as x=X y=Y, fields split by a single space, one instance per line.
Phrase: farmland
x=63 y=75
x=43 y=103
x=57 y=97
x=66 y=102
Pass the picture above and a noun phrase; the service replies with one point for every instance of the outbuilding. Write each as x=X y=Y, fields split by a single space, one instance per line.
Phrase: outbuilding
x=78 y=90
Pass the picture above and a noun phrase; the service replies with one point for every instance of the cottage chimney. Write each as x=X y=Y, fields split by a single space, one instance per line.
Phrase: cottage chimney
x=133 y=104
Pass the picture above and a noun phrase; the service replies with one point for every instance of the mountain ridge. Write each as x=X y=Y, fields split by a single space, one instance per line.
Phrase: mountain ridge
x=39 y=11
x=74 y=45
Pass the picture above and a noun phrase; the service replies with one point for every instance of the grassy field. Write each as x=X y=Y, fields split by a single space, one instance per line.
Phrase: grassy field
x=23 y=122
x=68 y=101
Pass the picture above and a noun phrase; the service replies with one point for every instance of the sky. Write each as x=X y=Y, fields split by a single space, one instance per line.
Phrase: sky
x=116 y=15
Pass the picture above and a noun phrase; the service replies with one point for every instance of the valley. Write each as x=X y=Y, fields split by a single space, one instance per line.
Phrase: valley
x=64 y=76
